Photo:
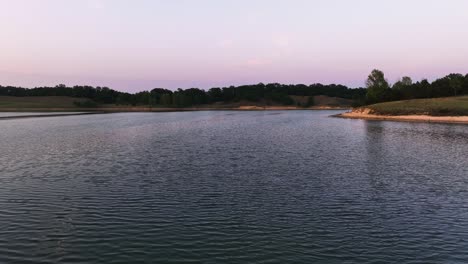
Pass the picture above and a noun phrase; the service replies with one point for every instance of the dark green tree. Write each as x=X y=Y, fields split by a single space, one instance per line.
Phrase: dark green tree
x=456 y=82
x=376 y=86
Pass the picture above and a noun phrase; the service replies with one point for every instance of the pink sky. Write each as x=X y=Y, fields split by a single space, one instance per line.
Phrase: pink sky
x=137 y=45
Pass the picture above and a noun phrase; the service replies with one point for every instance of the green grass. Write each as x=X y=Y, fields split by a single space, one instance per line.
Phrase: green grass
x=12 y=102
x=449 y=106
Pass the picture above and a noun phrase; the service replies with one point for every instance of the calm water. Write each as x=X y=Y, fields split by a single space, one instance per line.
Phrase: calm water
x=232 y=187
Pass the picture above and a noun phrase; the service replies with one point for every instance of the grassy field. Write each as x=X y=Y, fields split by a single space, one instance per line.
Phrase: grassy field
x=450 y=106
x=12 y=102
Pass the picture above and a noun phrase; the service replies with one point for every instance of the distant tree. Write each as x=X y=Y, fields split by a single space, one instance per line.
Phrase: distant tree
x=376 y=86
x=166 y=99
x=404 y=82
x=400 y=88
x=456 y=82
x=422 y=89
x=465 y=85
x=215 y=95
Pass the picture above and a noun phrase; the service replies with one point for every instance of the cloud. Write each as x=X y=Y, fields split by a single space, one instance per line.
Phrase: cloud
x=225 y=43
x=96 y=4
x=281 y=41
x=254 y=62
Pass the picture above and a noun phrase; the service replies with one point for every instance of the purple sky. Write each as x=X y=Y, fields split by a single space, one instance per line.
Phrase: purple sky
x=134 y=45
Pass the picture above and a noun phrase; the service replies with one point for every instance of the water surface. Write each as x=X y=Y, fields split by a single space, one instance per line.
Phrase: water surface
x=232 y=187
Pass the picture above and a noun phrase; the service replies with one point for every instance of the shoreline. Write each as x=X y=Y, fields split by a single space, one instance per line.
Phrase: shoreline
x=168 y=109
x=32 y=115
x=56 y=112
x=365 y=114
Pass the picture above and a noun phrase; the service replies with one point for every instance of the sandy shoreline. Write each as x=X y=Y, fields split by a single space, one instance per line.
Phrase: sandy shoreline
x=365 y=114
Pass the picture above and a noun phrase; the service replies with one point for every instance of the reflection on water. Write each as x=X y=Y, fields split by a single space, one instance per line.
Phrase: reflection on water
x=231 y=187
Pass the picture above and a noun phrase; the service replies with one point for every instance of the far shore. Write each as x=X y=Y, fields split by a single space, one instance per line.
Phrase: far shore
x=170 y=109
x=367 y=115
x=49 y=112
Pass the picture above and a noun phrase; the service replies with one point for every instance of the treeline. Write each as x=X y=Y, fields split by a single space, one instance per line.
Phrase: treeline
x=268 y=93
x=380 y=90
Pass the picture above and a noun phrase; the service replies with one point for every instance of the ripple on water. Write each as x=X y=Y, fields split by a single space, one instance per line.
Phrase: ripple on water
x=232 y=187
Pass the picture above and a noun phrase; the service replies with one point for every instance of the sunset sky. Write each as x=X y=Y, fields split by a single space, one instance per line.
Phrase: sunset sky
x=134 y=45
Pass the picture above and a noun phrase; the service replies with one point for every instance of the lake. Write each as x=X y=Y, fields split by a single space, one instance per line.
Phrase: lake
x=232 y=187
